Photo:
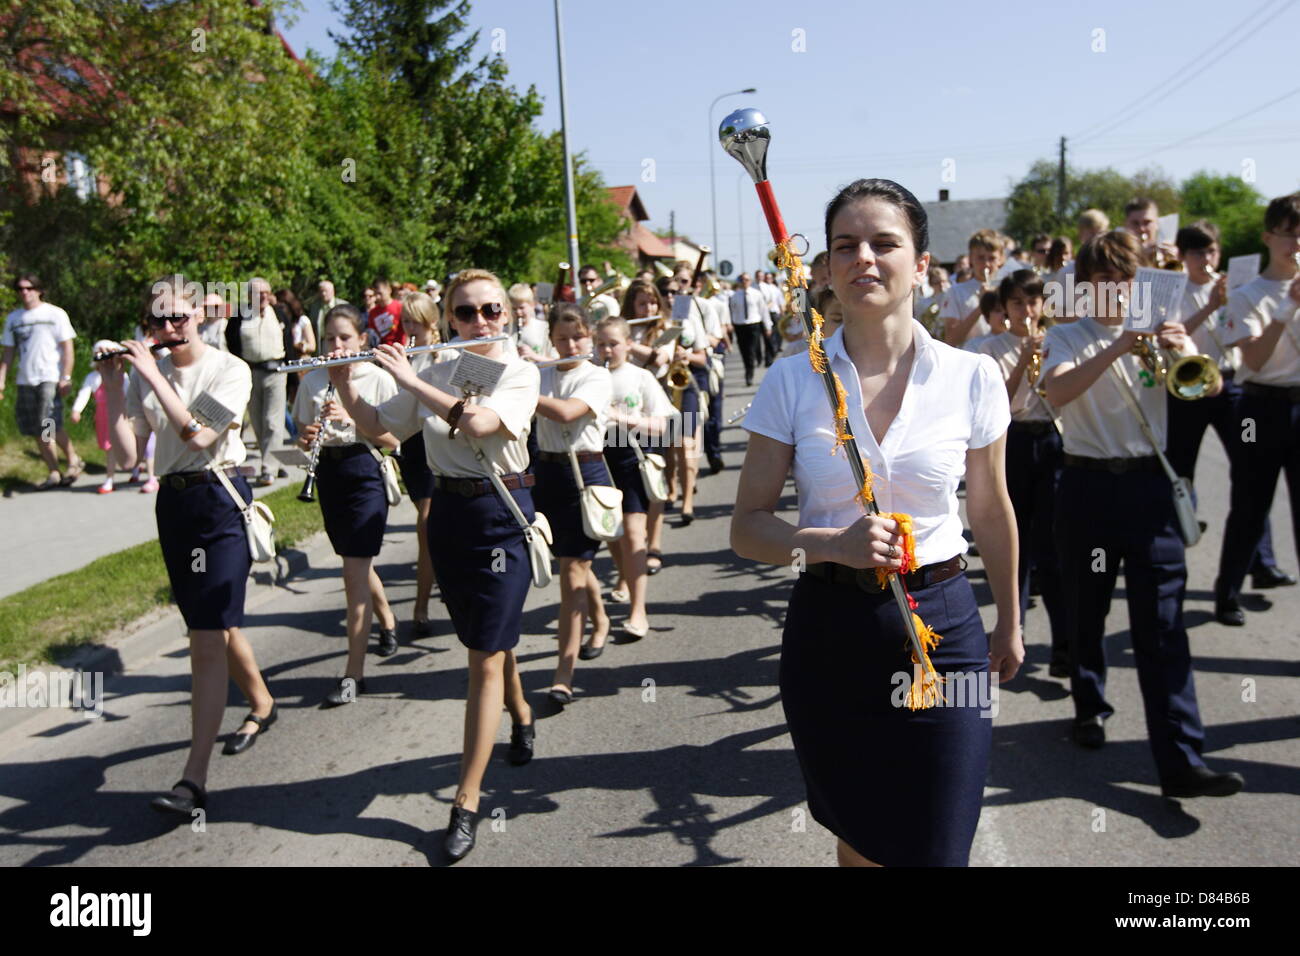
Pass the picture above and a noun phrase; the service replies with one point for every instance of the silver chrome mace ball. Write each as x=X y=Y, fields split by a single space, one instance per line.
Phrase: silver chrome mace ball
x=745 y=135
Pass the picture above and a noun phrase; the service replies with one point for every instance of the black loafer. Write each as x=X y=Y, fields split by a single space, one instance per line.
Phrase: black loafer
x=561 y=697
x=1229 y=613
x=716 y=464
x=1203 y=782
x=522 y=737
x=1058 y=669
x=423 y=628
x=1090 y=733
x=1271 y=577
x=460 y=833
x=589 y=653
x=174 y=805
x=238 y=743
x=387 y=642
x=346 y=692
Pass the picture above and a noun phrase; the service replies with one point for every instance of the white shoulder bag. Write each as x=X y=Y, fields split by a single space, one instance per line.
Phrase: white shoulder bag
x=653 y=477
x=259 y=521
x=537 y=535
x=388 y=471
x=601 y=505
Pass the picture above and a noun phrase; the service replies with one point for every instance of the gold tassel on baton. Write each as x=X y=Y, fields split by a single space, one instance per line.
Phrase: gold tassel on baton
x=745 y=136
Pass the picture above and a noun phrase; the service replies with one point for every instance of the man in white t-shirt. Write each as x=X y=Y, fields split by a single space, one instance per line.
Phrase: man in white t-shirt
x=42 y=335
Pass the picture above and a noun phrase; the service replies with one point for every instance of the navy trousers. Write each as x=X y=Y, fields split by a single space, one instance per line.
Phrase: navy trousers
x=1188 y=422
x=1101 y=520
x=1034 y=460
x=713 y=424
x=1276 y=449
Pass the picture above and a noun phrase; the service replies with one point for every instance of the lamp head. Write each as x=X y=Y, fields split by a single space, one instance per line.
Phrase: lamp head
x=745 y=135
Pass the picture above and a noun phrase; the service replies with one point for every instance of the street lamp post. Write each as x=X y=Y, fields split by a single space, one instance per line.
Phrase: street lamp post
x=713 y=148
x=569 y=200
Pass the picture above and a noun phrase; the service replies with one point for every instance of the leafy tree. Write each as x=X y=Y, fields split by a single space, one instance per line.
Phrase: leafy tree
x=1234 y=206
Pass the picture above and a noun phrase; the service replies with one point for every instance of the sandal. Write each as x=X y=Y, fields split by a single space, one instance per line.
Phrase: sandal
x=49 y=483
x=73 y=474
x=620 y=596
x=654 y=555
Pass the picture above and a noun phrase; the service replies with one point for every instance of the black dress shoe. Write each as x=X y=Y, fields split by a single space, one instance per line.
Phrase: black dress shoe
x=423 y=628
x=1203 y=782
x=589 y=653
x=1271 y=577
x=238 y=743
x=172 y=804
x=1090 y=733
x=387 y=642
x=1058 y=669
x=1230 y=613
x=521 y=743
x=346 y=692
x=715 y=464
x=560 y=696
x=460 y=833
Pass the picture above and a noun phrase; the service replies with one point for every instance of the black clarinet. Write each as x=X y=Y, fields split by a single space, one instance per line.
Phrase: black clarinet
x=308 y=492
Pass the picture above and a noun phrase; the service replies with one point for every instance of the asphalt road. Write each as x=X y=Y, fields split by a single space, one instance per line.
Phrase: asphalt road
x=674 y=753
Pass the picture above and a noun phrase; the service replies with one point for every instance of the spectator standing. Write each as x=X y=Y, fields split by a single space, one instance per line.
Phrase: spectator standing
x=385 y=317
x=263 y=341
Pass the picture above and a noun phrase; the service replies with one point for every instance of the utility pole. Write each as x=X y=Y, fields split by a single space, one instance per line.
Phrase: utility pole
x=672 y=228
x=1060 y=185
x=569 y=199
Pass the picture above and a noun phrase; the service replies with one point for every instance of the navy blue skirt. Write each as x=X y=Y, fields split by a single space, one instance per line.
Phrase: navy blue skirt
x=481 y=563
x=414 y=466
x=624 y=468
x=352 y=502
x=901 y=787
x=556 y=496
x=208 y=588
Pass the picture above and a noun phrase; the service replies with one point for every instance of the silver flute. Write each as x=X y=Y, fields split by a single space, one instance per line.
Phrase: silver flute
x=317 y=361
x=737 y=416
x=565 y=361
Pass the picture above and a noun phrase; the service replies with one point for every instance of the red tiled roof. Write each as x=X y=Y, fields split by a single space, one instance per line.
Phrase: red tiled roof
x=628 y=202
x=651 y=245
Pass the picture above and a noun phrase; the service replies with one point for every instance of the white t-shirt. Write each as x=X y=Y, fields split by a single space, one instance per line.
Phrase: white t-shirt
x=37 y=334
x=590 y=384
x=957 y=304
x=300 y=329
x=536 y=335
x=1100 y=423
x=954 y=401
x=1249 y=310
x=1208 y=336
x=514 y=399
x=220 y=374
x=213 y=333
x=261 y=339
x=1026 y=405
x=373 y=384
x=636 y=391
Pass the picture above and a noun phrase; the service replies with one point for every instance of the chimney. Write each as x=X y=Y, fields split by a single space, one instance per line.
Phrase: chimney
x=943 y=195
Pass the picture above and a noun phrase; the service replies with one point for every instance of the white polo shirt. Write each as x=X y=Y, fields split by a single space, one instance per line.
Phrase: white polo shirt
x=1100 y=423
x=373 y=384
x=588 y=383
x=957 y=304
x=1249 y=310
x=1026 y=405
x=1208 y=336
x=954 y=401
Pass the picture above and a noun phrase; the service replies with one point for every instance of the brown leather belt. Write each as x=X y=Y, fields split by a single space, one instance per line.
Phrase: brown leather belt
x=866 y=577
x=473 y=487
x=1116 y=466
x=180 y=480
x=562 y=457
x=1281 y=393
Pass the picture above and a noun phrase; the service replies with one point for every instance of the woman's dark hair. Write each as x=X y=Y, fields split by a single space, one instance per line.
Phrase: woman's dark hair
x=288 y=298
x=571 y=312
x=1026 y=281
x=1197 y=236
x=1061 y=245
x=346 y=311
x=890 y=192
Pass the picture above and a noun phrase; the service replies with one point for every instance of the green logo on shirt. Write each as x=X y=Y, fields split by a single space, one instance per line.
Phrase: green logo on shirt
x=1148 y=380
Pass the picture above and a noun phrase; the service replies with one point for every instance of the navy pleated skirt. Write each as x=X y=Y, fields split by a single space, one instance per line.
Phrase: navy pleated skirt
x=352 y=502
x=901 y=787
x=414 y=466
x=208 y=587
x=556 y=496
x=482 y=565
x=625 y=469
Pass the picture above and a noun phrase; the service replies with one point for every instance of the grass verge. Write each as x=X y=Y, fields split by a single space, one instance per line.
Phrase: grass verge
x=49 y=619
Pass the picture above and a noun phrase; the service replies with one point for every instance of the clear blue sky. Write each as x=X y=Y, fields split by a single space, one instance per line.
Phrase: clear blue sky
x=895 y=91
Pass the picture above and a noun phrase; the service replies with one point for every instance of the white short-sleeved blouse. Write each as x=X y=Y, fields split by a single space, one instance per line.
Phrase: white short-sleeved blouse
x=954 y=401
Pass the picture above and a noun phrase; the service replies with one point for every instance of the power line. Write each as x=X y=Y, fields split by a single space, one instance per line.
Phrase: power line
x=1195 y=63
x=1213 y=129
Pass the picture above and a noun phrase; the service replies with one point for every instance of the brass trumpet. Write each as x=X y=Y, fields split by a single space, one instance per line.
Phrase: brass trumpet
x=679 y=379
x=1045 y=322
x=1188 y=377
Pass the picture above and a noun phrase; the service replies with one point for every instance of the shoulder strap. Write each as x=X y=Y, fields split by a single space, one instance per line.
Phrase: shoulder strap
x=500 y=487
x=230 y=489
x=1125 y=390
x=573 y=460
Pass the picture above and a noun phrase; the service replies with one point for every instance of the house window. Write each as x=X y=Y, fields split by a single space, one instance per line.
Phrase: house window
x=81 y=177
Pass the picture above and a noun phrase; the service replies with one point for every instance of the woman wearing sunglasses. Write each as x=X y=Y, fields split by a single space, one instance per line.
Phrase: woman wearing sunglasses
x=477 y=547
x=200 y=528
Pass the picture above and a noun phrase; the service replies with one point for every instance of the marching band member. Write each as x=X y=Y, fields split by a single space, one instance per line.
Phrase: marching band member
x=896 y=786
x=602 y=305
x=420 y=319
x=691 y=399
x=643 y=300
x=350 y=487
x=638 y=407
x=1198 y=248
x=994 y=316
x=1115 y=504
x=960 y=312
x=200 y=528
x=710 y=320
x=1033 y=451
x=534 y=338
x=478 y=550
x=1142 y=220
x=571 y=410
x=1261 y=322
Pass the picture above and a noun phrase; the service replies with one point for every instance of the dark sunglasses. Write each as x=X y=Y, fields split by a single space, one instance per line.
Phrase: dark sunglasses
x=489 y=311
x=158 y=321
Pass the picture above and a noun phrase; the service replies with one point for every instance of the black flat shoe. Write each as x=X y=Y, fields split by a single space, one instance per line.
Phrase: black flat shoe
x=1057 y=669
x=387 y=642
x=1271 y=577
x=1090 y=733
x=715 y=464
x=658 y=556
x=460 y=833
x=561 y=697
x=423 y=628
x=238 y=743
x=346 y=692
x=589 y=653
x=522 y=737
x=1203 y=782
x=170 y=803
x=1229 y=613
x=687 y=517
